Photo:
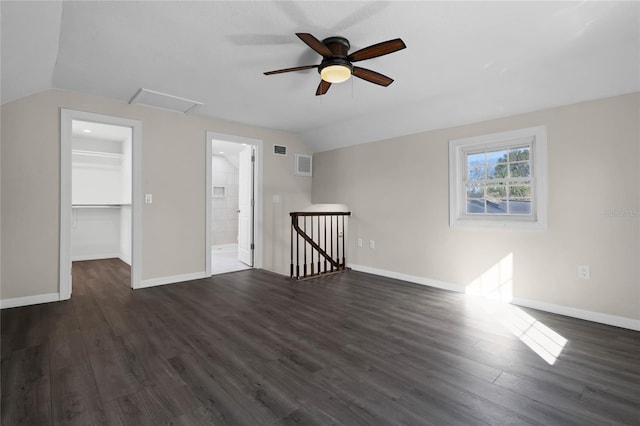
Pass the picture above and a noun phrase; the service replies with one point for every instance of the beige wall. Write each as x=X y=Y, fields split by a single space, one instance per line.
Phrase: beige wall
x=398 y=192
x=173 y=169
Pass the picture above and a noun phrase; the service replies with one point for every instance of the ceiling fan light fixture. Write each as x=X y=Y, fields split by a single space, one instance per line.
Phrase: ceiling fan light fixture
x=335 y=73
x=337 y=63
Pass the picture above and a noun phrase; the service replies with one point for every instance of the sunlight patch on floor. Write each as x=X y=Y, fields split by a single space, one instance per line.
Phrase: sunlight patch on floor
x=538 y=337
x=493 y=291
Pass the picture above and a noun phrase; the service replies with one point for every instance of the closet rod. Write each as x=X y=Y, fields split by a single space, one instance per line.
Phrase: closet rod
x=103 y=206
x=97 y=154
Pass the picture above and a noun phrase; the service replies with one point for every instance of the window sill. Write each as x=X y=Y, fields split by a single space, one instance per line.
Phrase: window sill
x=477 y=223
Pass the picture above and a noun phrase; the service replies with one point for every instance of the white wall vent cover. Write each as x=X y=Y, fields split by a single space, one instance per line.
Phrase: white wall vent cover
x=280 y=149
x=303 y=164
x=159 y=100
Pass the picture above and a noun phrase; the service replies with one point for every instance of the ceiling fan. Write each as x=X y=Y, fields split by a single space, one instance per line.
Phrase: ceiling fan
x=336 y=65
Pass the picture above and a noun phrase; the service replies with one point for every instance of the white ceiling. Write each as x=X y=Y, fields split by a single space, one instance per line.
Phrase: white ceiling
x=464 y=62
x=229 y=150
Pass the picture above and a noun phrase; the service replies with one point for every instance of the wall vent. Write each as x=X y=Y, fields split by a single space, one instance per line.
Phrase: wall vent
x=280 y=149
x=304 y=164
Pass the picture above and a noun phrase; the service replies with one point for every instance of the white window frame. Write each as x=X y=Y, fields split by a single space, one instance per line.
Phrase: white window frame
x=458 y=148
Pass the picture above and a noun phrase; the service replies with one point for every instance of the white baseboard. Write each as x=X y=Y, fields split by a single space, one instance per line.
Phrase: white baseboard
x=125 y=259
x=623 y=322
x=616 y=321
x=410 y=278
x=83 y=257
x=29 y=300
x=153 y=282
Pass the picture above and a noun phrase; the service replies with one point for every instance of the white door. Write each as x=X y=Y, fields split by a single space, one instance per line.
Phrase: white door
x=245 y=206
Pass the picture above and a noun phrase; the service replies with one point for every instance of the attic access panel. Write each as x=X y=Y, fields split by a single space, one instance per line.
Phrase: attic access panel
x=159 y=100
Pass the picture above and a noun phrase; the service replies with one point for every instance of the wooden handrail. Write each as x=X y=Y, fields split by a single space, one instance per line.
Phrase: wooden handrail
x=318 y=244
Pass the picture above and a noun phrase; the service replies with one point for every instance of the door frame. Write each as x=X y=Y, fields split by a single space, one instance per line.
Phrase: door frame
x=257 y=195
x=66 y=118
x=252 y=196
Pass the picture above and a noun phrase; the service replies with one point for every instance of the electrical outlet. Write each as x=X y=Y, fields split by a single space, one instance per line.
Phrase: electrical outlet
x=148 y=198
x=584 y=272
x=360 y=242
x=372 y=244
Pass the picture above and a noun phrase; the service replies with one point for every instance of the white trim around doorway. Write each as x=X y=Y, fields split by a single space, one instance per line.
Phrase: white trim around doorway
x=257 y=185
x=66 y=118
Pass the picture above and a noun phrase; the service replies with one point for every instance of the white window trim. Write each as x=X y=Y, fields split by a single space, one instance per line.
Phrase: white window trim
x=457 y=148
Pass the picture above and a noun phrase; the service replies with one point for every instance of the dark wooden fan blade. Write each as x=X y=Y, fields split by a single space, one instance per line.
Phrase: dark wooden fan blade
x=304 y=67
x=323 y=87
x=315 y=44
x=376 y=50
x=372 y=76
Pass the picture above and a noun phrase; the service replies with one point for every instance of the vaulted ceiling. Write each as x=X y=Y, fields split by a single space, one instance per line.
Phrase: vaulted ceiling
x=464 y=62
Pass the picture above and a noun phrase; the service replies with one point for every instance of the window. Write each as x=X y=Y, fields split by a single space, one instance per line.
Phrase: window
x=499 y=180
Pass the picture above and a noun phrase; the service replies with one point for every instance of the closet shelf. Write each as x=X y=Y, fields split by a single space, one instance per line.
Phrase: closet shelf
x=98 y=206
x=96 y=154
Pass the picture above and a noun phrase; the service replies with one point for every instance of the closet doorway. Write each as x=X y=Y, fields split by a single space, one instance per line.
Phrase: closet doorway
x=231 y=198
x=99 y=184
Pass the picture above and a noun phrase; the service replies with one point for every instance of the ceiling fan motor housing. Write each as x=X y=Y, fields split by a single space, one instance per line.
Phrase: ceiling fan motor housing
x=339 y=46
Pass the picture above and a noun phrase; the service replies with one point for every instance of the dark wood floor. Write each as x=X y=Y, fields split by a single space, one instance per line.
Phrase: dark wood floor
x=254 y=348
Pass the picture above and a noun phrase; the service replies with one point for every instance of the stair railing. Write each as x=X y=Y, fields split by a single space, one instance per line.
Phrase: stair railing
x=318 y=241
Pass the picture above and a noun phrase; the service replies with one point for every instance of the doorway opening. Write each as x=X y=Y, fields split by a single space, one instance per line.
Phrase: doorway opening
x=232 y=192
x=99 y=218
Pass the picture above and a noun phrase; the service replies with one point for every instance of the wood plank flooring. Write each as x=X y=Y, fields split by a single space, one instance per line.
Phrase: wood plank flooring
x=254 y=348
